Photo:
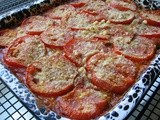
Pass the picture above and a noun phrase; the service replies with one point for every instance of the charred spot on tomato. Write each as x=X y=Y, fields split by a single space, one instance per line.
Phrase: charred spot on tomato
x=108 y=44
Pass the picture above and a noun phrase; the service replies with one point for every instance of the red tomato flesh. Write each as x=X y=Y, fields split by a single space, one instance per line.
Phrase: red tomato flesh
x=24 y=50
x=35 y=25
x=152 y=17
x=134 y=48
x=83 y=104
x=56 y=37
x=111 y=72
x=79 y=50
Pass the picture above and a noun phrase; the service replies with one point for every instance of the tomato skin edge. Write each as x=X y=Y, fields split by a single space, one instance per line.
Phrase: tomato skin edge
x=151 y=22
x=120 y=7
x=66 y=51
x=150 y=35
x=51 y=46
x=136 y=59
x=119 y=89
x=11 y=62
x=123 y=22
x=78 y=5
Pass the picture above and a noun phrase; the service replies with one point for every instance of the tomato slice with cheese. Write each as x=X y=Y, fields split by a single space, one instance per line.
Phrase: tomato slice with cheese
x=123 y=5
x=24 y=50
x=112 y=72
x=7 y=36
x=51 y=76
x=56 y=37
x=79 y=50
x=152 y=17
x=35 y=25
x=120 y=17
x=148 y=31
x=95 y=33
x=77 y=21
x=83 y=103
x=95 y=6
x=135 y=48
x=60 y=11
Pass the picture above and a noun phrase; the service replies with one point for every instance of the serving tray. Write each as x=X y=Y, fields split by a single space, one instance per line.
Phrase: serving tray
x=10 y=17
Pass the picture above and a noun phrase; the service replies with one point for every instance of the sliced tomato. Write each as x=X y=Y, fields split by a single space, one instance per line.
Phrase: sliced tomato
x=60 y=11
x=119 y=17
x=20 y=32
x=84 y=21
x=97 y=33
x=148 y=31
x=123 y=5
x=77 y=21
x=56 y=37
x=51 y=76
x=134 y=48
x=78 y=4
x=152 y=17
x=94 y=9
x=95 y=6
x=7 y=36
x=23 y=51
x=117 y=29
x=83 y=104
x=79 y=50
x=35 y=25
x=111 y=72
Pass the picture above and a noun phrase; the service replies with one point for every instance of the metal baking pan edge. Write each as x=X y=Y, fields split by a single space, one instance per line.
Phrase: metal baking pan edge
x=119 y=112
x=15 y=15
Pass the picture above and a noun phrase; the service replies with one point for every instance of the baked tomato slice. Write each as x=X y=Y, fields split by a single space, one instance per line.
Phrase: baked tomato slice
x=123 y=5
x=79 y=50
x=23 y=51
x=101 y=34
x=148 y=31
x=112 y=72
x=7 y=36
x=152 y=17
x=95 y=6
x=83 y=103
x=135 y=48
x=51 y=76
x=20 y=32
x=60 y=11
x=56 y=37
x=77 y=21
x=119 y=17
x=35 y=25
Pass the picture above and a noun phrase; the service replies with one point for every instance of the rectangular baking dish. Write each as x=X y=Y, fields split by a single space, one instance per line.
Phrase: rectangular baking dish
x=11 y=17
